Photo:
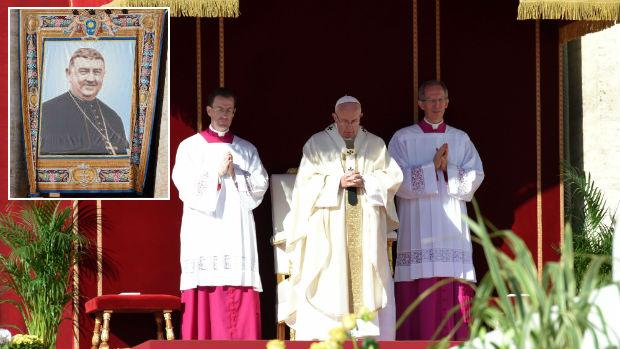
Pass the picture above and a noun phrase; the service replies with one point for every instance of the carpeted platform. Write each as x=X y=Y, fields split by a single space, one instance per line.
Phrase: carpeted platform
x=178 y=344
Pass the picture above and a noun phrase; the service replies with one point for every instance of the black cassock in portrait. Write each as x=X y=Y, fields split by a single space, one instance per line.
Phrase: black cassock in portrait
x=70 y=125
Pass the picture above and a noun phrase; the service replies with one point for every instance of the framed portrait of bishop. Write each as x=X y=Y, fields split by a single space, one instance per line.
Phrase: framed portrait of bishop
x=89 y=96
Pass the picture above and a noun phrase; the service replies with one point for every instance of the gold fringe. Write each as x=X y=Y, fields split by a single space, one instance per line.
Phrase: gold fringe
x=187 y=8
x=579 y=10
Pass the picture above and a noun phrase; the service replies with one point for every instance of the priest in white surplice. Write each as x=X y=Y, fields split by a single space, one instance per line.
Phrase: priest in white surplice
x=442 y=170
x=220 y=179
x=342 y=208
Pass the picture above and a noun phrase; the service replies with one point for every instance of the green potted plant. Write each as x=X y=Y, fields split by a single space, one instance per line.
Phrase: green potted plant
x=548 y=310
x=44 y=246
x=592 y=221
x=515 y=307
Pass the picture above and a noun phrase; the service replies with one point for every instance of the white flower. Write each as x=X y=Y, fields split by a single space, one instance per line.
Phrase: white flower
x=5 y=336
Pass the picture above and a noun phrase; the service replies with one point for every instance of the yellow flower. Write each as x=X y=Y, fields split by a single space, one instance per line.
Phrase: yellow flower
x=332 y=344
x=26 y=339
x=338 y=334
x=275 y=344
x=317 y=345
x=349 y=322
x=366 y=314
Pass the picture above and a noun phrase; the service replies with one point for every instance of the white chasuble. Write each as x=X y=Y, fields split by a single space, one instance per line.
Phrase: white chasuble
x=434 y=239
x=218 y=236
x=323 y=281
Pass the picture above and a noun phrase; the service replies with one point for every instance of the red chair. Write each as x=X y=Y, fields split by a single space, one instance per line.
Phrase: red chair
x=102 y=307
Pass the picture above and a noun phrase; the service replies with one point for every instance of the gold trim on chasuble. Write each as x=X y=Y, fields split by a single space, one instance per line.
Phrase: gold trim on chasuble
x=353 y=225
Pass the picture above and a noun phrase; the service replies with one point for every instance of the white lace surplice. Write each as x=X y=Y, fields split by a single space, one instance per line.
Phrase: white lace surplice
x=218 y=236
x=434 y=239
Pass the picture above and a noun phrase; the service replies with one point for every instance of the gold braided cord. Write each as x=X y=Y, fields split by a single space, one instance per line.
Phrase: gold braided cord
x=437 y=40
x=415 y=61
x=99 y=249
x=198 y=75
x=579 y=10
x=539 y=204
x=561 y=135
x=76 y=282
x=186 y=8
x=221 y=51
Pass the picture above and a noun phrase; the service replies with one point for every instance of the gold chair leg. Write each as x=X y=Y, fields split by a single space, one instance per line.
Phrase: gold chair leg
x=96 y=332
x=105 y=331
x=281 y=331
x=159 y=320
x=281 y=325
x=389 y=253
x=169 y=329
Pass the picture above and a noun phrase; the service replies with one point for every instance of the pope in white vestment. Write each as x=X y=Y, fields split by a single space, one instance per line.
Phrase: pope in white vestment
x=342 y=208
x=441 y=170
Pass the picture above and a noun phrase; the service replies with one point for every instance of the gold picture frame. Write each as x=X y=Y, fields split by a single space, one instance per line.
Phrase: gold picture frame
x=70 y=149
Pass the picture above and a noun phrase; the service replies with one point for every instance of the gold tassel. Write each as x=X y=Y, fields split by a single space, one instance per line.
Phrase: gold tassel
x=580 y=10
x=188 y=8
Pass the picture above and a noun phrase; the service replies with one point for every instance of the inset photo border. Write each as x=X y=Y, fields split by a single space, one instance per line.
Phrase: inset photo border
x=91 y=91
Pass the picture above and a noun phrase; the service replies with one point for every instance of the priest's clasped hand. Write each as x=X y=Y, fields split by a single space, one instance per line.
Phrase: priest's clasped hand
x=441 y=158
x=352 y=179
x=227 y=165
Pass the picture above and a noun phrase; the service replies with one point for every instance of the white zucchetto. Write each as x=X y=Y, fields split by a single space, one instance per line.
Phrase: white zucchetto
x=346 y=99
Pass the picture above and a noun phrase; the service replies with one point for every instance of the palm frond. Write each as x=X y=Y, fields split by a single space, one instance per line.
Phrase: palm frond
x=44 y=247
x=591 y=220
